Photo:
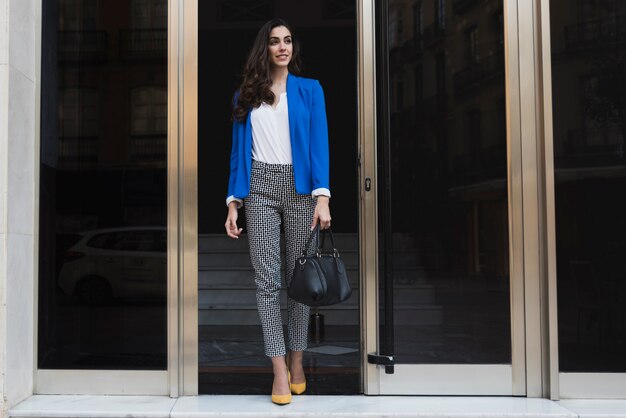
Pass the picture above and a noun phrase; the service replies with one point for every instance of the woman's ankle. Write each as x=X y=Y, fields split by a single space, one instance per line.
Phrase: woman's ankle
x=295 y=365
x=279 y=365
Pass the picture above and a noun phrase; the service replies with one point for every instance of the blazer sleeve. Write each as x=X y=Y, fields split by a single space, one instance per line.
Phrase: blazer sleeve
x=234 y=156
x=318 y=140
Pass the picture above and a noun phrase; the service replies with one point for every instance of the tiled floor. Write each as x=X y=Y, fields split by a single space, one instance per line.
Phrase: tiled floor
x=248 y=406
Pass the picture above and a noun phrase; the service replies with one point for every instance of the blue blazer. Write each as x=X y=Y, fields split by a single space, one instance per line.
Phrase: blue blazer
x=308 y=130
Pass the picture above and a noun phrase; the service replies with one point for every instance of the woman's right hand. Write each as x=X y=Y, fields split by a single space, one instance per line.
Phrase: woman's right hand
x=231 y=221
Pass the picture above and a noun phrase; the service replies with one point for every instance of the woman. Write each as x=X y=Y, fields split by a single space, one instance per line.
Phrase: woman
x=279 y=173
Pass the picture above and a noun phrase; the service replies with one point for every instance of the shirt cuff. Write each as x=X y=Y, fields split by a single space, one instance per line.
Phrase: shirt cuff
x=322 y=191
x=234 y=199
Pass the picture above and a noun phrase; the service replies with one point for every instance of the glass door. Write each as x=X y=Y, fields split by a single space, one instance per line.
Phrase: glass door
x=231 y=357
x=444 y=276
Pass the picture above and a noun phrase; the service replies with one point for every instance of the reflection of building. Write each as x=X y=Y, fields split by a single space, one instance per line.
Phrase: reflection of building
x=104 y=165
x=589 y=69
x=99 y=52
x=589 y=54
x=107 y=59
x=453 y=127
x=589 y=107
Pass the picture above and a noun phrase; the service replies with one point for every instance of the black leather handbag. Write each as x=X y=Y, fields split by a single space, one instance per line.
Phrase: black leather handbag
x=319 y=279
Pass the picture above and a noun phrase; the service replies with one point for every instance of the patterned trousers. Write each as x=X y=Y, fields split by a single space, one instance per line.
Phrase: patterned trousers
x=273 y=200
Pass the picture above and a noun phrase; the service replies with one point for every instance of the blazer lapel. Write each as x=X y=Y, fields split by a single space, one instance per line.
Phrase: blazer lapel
x=293 y=99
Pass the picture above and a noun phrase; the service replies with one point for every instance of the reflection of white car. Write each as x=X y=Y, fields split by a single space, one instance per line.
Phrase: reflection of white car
x=116 y=262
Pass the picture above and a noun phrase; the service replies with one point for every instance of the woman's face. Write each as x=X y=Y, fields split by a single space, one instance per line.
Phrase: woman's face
x=280 y=47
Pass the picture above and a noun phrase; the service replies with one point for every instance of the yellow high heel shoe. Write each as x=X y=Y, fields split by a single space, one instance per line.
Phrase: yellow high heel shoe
x=296 y=388
x=283 y=399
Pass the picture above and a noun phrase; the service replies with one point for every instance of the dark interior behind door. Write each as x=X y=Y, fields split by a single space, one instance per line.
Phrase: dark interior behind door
x=230 y=341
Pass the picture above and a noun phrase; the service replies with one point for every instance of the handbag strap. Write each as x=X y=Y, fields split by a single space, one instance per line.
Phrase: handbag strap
x=332 y=240
x=314 y=232
x=320 y=244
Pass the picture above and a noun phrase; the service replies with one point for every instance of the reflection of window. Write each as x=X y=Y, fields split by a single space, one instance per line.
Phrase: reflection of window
x=419 y=85
x=600 y=103
x=601 y=115
x=78 y=113
x=149 y=111
x=417 y=19
x=395 y=29
x=440 y=14
x=592 y=9
x=474 y=132
x=441 y=75
x=77 y=14
x=472 y=45
x=149 y=14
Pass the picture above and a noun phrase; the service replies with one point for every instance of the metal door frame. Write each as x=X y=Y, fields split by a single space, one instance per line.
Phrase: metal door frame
x=184 y=304
x=528 y=373
x=178 y=379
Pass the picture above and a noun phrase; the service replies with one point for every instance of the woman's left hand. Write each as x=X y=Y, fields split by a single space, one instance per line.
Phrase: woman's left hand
x=322 y=213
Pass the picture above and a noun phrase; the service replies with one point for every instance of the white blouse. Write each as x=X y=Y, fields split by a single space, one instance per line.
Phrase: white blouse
x=271 y=142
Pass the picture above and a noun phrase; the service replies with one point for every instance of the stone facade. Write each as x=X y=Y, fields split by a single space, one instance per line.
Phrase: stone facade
x=18 y=145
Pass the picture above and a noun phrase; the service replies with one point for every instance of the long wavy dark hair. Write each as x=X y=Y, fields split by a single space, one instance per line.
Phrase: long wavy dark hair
x=256 y=80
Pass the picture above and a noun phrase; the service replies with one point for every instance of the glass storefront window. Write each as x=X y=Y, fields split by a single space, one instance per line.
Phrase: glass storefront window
x=103 y=213
x=589 y=108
